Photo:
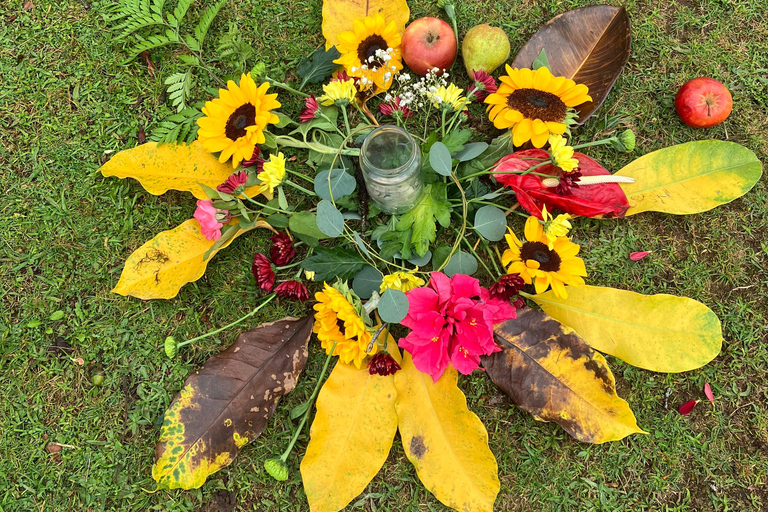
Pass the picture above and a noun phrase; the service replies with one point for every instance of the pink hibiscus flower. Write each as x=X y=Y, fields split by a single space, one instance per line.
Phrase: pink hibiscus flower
x=451 y=322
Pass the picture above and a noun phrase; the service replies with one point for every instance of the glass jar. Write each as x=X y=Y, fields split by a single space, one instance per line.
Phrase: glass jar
x=391 y=164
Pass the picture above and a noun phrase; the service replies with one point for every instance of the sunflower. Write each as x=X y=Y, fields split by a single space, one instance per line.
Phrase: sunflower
x=337 y=321
x=534 y=104
x=235 y=121
x=371 y=52
x=537 y=263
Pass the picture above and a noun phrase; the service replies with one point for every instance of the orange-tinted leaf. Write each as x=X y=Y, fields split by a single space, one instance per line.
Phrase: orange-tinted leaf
x=226 y=403
x=590 y=45
x=552 y=373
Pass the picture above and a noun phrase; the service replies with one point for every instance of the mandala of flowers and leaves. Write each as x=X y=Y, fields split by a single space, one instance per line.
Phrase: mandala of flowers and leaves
x=395 y=300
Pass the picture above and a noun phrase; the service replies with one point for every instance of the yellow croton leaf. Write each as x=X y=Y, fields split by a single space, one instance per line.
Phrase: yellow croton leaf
x=159 y=268
x=339 y=15
x=690 y=178
x=661 y=333
x=553 y=374
x=445 y=441
x=350 y=438
x=172 y=166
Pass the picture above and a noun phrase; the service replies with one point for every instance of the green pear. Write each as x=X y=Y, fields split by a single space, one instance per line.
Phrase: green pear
x=484 y=48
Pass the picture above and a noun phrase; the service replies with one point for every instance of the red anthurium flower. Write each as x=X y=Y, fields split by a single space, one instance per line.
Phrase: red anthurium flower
x=262 y=271
x=293 y=290
x=383 y=364
x=483 y=84
x=311 y=109
x=234 y=182
x=282 y=250
x=451 y=322
x=687 y=407
x=602 y=200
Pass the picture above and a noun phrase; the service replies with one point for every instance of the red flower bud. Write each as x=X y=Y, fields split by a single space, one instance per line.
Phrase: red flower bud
x=383 y=364
x=293 y=290
x=262 y=271
x=311 y=109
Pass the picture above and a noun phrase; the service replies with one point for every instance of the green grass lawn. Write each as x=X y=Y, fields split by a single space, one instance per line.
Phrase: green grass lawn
x=68 y=99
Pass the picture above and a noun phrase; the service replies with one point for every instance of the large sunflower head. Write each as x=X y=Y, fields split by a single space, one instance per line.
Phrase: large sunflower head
x=534 y=104
x=337 y=321
x=371 y=52
x=541 y=265
x=235 y=121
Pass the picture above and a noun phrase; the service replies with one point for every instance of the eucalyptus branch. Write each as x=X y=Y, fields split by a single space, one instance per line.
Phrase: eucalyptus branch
x=457 y=243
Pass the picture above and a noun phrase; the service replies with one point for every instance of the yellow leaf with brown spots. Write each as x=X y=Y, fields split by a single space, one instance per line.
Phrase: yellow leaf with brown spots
x=351 y=436
x=159 y=268
x=553 y=374
x=445 y=441
x=339 y=15
x=172 y=166
x=226 y=403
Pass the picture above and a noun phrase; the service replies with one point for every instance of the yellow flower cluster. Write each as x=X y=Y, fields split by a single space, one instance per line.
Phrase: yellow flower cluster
x=274 y=172
x=336 y=321
x=403 y=281
x=562 y=153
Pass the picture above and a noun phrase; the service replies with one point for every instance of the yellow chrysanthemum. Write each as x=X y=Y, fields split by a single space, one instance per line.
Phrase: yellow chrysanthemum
x=562 y=153
x=450 y=95
x=274 y=172
x=235 y=121
x=538 y=264
x=534 y=104
x=340 y=92
x=403 y=281
x=332 y=311
x=371 y=52
x=555 y=227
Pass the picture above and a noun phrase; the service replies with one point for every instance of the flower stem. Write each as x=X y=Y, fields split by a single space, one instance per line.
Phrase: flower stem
x=493 y=260
x=477 y=256
x=212 y=333
x=287 y=452
x=286 y=87
x=346 y=119
x=301 y=175
x=299 y=187
x=591 y=144
x=463 y=222
x=267 y=206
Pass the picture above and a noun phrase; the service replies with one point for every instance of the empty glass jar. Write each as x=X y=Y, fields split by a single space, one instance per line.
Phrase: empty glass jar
x=391 y=162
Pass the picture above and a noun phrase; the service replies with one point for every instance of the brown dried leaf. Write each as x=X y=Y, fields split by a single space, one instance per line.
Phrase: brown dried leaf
x=226 y=404
x=590 y=45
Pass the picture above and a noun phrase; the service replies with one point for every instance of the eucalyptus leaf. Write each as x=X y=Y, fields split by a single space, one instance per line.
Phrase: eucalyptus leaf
x=440 y=159
x=491 y=223
x=441 y=254
x=393 y=306
x=360 y=243
x=334 y=184
x=541 y=61
x=329 y=219
x=367 y=281
x=461 y=263
x=304 y=225
x=420 y=261
x=471 y=151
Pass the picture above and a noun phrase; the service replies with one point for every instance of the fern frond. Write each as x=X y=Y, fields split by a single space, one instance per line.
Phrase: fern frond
x=181 y=9
x=181 y=127
x=180 y=89
x=205 y=22
x=233 y=48
x=152 y=42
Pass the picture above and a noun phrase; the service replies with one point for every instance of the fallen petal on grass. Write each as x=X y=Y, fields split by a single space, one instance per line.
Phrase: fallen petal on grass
x=687 y=407
x=708 y=393
x=638 y=255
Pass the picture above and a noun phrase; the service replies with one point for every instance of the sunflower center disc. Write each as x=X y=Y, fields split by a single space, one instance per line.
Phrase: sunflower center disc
x=549 y=261
x=368 y=49
x=243 y=117
x=536 y=104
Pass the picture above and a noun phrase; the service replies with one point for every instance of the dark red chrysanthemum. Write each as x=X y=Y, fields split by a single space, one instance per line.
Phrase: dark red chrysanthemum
x=293 y=290
x=282 y=250
x=255 y=160
x=262 y=272
x=519 y=303
x=507 y=287
x=388 y=109
x=311 y=109
x=568 y=181
x=383 y=364
x=234 y=182
x=483 y=84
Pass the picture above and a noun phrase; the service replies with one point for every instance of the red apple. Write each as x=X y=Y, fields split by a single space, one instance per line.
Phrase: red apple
x=703 y=102
x=428 y=43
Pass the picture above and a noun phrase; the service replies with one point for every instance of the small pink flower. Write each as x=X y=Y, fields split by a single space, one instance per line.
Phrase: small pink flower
x=293 y=290
x=211 y=219
x=311 y=109
x=79 y=361
x=262 y=272
x=388 y=109
x=235 y=181
x=483 y=84
x=383 y=364
x=282 y=250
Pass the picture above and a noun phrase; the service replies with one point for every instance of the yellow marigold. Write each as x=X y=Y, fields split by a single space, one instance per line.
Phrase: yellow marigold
x=235 y=121
x=562 y=153
x=403 y=281
x=274 y=172
x=340 y=92
x=333 y=310
x=555 y=227
x=538 y=264
x=450 y=95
